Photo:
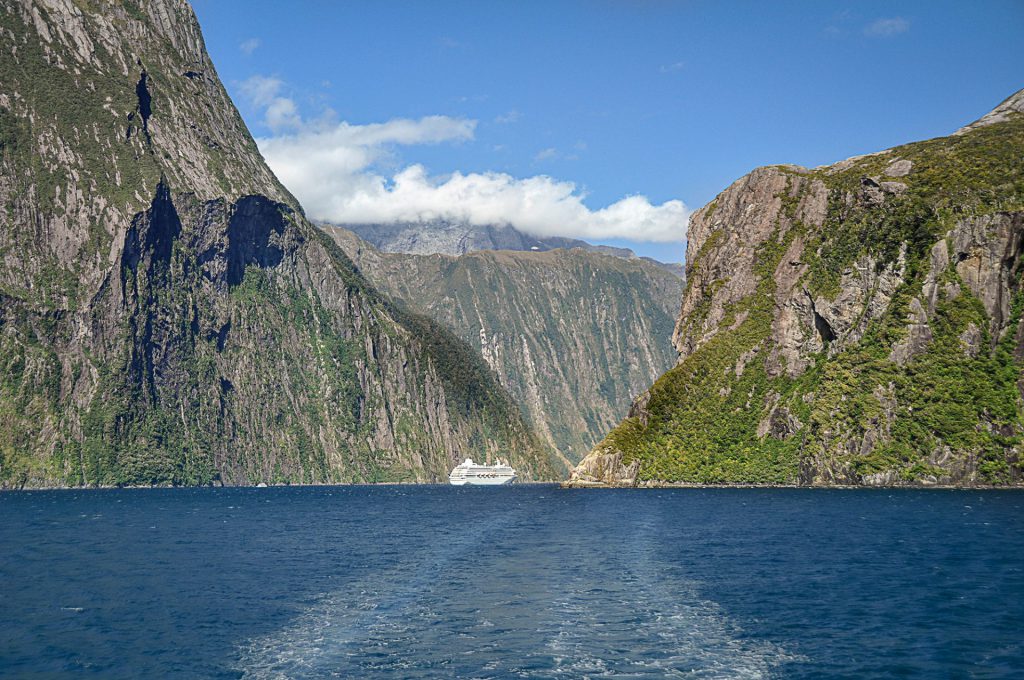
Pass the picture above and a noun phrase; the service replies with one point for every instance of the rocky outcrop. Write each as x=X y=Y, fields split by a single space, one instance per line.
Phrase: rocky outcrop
x=572 y=334
x=167 y=313
x=1007 y=110
x=987 y=251
x=604 y=467
x=842 y=327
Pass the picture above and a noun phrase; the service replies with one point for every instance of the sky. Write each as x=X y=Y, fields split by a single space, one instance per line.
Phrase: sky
x=604 y=120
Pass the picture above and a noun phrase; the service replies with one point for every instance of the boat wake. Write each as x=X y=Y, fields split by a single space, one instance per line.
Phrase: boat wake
x=491 y=600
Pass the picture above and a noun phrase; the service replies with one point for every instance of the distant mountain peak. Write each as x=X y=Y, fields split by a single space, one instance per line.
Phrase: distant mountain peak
x=1012 y=105
x=455 y=237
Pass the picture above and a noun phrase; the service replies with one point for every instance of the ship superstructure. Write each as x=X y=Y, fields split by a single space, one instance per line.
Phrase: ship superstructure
x=468 y=472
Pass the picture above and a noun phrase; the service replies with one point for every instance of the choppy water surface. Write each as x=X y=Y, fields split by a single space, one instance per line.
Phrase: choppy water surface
x=522 y=581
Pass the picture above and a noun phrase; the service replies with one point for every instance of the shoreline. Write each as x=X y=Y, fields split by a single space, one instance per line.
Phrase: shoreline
x=735 y=485
x=250 y=486
x=561 y=485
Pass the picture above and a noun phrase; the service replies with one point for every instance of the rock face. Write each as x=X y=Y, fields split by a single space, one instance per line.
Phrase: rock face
x=167 y=313
x=852 y=324
x=572 y=334
x=447 y=237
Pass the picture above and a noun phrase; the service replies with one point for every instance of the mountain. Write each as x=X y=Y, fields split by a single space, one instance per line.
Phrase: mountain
x=858 y=323
x=452 y=237
x=574 y=335
x=167 y=313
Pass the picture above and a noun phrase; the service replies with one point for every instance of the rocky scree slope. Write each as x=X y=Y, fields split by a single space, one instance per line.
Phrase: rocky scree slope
x=852 y=324
x=167 y=313
x=573 y=335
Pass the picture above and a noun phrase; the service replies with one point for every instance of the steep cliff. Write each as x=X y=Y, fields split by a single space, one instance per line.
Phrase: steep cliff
x=852 y=324
x=572 y=334
x=167 y=313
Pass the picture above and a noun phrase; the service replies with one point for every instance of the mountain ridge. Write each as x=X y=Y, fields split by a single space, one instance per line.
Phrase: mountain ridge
x=168 y=314
x=453 y=237
x=853 y=324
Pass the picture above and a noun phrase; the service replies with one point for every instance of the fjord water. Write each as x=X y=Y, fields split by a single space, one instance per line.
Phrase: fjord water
x=521 y=581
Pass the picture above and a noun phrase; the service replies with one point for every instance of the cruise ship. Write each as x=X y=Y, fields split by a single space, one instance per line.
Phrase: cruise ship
x=468 y=472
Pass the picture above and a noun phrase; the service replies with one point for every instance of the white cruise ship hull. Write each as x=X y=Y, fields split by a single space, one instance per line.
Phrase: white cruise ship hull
x=481 y=481
x=469 y=473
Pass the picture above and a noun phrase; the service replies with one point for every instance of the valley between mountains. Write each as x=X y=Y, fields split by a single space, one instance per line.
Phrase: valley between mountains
x=170 y=316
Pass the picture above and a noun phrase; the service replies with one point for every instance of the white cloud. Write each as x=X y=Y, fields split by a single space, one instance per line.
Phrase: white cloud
x=280 y=113
x=553 y=154
x=249 y=46
x=260 y=90
x=886 y=28
x=510 y=117
x=334 y=169
x=546 y=154
x=673 y=67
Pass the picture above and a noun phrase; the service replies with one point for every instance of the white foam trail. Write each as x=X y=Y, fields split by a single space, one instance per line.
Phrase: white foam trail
x=324 y=635
x=668 y=628
x=566 y=607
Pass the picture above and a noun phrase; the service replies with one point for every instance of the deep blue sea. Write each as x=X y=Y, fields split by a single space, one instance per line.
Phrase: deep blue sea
x=522 y=581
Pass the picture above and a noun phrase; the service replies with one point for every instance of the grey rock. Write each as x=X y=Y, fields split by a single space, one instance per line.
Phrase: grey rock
x=919 y=334
x=604 y=467
x=871 y=192
x=939 y=261
x=780 y=423
x=970 y=340
x=899 y=168
x=987 y=250
x=1011 y=106
x=894 y=188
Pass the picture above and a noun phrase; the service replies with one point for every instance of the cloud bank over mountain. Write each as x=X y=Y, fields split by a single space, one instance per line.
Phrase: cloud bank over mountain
x=335 y=169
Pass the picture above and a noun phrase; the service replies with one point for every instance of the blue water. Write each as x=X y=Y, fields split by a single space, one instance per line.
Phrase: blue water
x=523 y=581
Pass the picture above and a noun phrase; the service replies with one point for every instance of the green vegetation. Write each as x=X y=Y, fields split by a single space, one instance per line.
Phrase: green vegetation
x=704 y=409
x=952 y=177
x=855 y=413
x=207 y=335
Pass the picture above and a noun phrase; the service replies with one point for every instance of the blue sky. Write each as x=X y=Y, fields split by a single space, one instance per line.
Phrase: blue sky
x=604 y=120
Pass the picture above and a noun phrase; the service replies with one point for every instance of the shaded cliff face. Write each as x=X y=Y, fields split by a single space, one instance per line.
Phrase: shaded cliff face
x=853 y=324
x=168 y=315
x=573 y=335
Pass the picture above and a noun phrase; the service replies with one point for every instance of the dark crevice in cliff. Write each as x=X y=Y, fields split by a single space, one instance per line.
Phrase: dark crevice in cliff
x=825 y=331
x=226 y=388
x=821 y=325
x=151 y=237
x=164 y=225
x=222 y=336
x=149 y=245
x=145 y=107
